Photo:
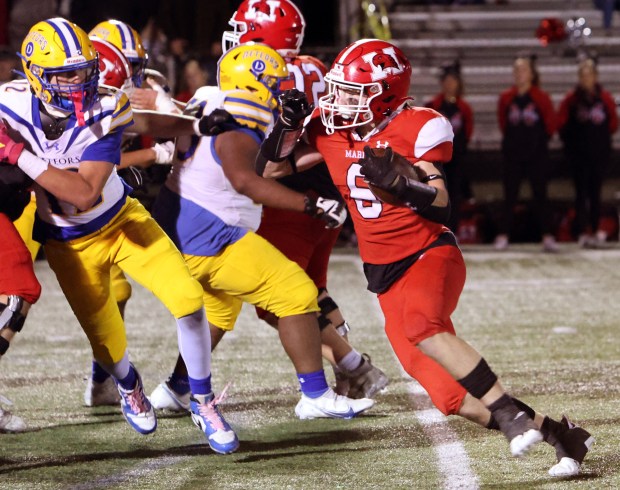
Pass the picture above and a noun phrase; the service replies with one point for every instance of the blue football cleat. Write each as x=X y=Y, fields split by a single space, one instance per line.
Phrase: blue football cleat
x=207 y=416
x=137 y=409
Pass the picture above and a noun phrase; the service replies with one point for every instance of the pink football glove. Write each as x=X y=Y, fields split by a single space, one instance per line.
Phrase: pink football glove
x=9 y=150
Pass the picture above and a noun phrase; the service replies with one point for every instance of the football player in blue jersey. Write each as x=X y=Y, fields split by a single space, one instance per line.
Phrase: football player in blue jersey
x=210 y=206
x=64 y=133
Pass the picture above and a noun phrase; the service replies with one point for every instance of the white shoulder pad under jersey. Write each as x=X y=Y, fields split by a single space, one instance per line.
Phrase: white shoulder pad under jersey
x=97 y=140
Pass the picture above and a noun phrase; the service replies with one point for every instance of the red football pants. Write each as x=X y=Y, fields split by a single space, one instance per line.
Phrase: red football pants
x=302 y=238
x=418 y=306
x=16 y=270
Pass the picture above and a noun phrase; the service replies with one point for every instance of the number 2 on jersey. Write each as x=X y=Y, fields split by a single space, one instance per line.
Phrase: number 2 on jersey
x=312 y=74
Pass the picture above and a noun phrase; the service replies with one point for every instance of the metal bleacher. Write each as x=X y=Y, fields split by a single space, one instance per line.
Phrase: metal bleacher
x=486 y=38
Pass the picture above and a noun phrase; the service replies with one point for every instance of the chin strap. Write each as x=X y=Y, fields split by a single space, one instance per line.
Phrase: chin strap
x=76 y=98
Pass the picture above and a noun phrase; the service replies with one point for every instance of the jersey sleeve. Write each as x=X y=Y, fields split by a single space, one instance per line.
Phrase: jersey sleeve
x=434 y=141
x=249 y=111
x=105 y=149
x=122 y=117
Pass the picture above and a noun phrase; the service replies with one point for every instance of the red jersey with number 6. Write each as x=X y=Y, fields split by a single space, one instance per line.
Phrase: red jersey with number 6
x=386 y=233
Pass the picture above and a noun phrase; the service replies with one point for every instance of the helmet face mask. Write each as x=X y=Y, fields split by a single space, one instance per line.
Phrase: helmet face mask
x=347 y=105
x=61 y=65
x=230 y=39
x=276 y=23
x=127 y=39
x=377 y=72
x=253 y=67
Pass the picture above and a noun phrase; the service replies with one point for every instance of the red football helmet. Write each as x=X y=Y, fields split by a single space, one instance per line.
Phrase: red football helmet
x=114 y=69
x=368 y=81
x=276 y=23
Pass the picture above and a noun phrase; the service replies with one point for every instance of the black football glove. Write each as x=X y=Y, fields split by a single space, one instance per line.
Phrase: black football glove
x=295 y=107
x=219 y=121
x=134 y=177
x=329 y=210
x=378 y=170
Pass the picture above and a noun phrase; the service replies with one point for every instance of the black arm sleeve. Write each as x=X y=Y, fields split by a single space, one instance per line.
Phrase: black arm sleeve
x=416 y=195
x=437 y=214
x=278 y=145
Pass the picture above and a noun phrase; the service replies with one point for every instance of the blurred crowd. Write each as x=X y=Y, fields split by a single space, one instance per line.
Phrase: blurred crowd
x=183 y=39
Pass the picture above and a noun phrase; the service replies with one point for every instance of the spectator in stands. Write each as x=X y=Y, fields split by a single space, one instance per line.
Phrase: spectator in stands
x=586 y=121
x=527 y=121
x=451 y=104
x=8 y=62
x=197 y=72
x=607 y=8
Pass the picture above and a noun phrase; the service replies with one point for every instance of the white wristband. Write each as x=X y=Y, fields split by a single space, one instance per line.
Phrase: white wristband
x=31 y=164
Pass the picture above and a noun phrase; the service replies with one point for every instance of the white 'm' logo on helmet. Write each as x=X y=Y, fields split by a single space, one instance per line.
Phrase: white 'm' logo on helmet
x=383 y=63
x=261 y=10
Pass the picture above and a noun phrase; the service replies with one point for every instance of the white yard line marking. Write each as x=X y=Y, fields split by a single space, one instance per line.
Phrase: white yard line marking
x=452 y=459
x=152 y=464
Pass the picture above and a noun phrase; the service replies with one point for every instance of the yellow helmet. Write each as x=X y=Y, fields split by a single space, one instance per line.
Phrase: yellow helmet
x=54 y=47
x=127 y=39
x=253 y=67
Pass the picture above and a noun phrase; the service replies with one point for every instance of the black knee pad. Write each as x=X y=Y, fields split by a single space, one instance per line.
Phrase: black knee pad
x=323 y=322
x=480 y=380
x=327 y=305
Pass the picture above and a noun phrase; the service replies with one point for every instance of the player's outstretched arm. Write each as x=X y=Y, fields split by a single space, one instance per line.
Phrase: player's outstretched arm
x=161 y=125
x=305 y=157
x=237 y=151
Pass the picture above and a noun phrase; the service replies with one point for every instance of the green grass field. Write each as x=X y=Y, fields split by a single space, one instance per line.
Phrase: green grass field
x=547 y=324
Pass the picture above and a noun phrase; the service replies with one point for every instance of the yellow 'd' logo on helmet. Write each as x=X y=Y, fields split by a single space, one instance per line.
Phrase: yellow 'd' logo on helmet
x=56 y=48
x=253 y=67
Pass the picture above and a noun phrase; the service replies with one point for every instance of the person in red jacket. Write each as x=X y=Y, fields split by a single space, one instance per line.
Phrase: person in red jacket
x=586 y=121
x=451 y=104
x=527 y=121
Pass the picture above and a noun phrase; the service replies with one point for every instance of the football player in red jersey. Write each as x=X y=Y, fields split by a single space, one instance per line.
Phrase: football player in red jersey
x=280 y=25
x=411 y=260
x=19 y=288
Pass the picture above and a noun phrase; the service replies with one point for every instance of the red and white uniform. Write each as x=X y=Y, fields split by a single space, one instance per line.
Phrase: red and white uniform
x=304 y=239
x=385 y=233
x=424 y=292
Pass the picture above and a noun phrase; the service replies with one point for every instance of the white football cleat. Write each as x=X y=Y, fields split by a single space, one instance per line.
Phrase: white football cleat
x=9 y=422
x=99 y=394
x=331 y=405
x=521 y=444
x=165 y=398
x=566 y=467
x=575 y=442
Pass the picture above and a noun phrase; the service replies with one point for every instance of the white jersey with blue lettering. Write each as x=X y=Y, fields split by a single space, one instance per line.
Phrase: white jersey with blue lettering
x=198 y=206
x=97 y=140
